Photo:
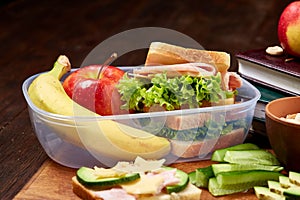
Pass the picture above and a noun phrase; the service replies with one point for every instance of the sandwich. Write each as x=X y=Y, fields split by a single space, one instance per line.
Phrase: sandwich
x=141 y=180
x=167 y=54
x=176 y=78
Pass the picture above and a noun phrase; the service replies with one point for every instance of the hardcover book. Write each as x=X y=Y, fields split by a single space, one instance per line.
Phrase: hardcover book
x=267 y=94
x=278 y=72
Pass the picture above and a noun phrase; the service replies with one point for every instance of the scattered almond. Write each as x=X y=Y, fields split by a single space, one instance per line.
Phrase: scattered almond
x=293 y=118
x=274 y=51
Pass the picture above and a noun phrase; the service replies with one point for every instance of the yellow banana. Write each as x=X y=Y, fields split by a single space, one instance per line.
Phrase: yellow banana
x=46 y=91
x=104 y=137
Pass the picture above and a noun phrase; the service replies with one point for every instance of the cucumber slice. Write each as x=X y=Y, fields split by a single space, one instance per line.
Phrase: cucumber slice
x=184 y=180
x=246 y=179
x=86 y=176
x=219 y=154
x=294 y=178
x=216 y=190
x=292 y=193
x=226 y=167
x=192 y=177
x=275 y=187
x=260 y=157
x=285 y=182
x=263 y=193
x=203 y=175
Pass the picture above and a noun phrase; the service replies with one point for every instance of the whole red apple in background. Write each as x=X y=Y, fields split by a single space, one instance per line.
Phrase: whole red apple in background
x=289 y=29
x=98 y=95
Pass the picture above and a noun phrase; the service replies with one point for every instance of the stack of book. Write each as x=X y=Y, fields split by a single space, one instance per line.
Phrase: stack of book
x=274 y=76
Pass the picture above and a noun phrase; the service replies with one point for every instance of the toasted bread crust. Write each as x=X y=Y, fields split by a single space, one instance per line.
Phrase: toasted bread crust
x=82 y=191
x=187 y=121
x=191 y=149
x=166 y=54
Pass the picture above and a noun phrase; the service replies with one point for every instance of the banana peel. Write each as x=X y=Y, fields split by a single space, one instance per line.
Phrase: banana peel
x=46 y=91
x=126 y=146
x=99 y=136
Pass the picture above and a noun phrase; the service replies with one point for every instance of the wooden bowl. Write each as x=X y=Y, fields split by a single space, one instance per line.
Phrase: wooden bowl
x=284 y=136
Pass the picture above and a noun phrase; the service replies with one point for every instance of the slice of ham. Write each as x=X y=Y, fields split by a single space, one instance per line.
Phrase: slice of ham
x=192 y=69
x=168 y=176
x=231 y=81
x=114 y=193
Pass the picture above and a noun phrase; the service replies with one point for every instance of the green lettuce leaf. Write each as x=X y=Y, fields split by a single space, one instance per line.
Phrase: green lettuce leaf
x=170 y=93
x=210 y=130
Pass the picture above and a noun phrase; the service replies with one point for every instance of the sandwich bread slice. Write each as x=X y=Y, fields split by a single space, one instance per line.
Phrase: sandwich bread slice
x=160 y=53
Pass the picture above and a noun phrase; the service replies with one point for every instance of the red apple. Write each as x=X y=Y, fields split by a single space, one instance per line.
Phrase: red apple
x=98 y=95
x=289 y=29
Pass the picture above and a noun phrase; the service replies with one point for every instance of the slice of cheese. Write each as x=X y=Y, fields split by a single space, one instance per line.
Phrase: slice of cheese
x=107 y=173
x=140 y=165
x=144 y=185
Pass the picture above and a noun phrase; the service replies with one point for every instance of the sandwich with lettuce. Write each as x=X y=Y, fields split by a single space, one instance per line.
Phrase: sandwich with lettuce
x=178 y=78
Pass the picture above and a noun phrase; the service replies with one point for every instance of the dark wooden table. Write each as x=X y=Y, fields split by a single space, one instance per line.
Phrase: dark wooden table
x=34 y=33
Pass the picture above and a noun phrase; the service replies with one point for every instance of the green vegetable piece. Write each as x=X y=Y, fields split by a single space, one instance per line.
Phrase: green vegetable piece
x=216 y=190
x=292 y=193
x=263 y=193
x=219 y=154
x=227 y=167
x=274 y=186
x=285 y=182
x=184 y=180
x=170 y=92
x=259 y=156
x=294 y=178
x=203 y=175
x=192 y=177
x=86 y=176
x=246 y=179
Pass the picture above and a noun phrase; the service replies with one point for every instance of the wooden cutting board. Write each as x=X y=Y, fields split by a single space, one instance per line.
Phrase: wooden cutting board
x=53 y=181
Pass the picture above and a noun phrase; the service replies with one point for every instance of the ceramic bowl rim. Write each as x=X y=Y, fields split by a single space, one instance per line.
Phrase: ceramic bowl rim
x=277 y=119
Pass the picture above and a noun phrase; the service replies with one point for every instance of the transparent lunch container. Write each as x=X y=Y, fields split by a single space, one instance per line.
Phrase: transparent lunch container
x=89 y=141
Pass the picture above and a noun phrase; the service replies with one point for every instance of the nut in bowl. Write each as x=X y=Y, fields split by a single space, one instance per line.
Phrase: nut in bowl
x=284 y=134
